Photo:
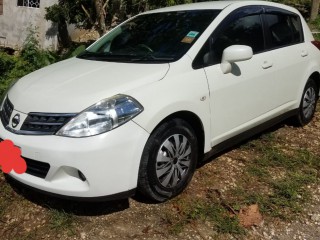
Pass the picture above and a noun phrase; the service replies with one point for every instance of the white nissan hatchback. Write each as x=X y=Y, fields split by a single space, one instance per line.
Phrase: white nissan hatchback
x=162 y=91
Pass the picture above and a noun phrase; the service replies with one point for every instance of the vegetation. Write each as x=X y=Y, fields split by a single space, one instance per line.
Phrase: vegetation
x=100 y=15
x=30 y=58
x=61 y=221
x=277 y=180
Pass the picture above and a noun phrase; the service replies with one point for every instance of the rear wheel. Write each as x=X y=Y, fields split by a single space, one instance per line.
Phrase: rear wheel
x=169 y=160
x=308 y=103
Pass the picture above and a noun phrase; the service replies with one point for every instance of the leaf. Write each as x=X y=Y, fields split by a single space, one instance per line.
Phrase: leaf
x=250 y=216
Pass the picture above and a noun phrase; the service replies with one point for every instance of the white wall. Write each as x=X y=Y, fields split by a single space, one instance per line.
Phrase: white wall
x=15 y=21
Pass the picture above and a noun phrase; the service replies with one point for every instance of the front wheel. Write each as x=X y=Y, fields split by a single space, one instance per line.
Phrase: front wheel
x=168 y=161
x=308 y=103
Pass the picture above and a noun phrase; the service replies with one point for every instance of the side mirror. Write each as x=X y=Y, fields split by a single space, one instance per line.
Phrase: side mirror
x=234 y=53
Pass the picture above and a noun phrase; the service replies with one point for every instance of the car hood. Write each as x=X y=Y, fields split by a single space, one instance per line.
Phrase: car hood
x=72 y=85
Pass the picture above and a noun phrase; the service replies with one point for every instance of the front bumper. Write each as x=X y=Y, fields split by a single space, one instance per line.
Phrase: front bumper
x=109 y=162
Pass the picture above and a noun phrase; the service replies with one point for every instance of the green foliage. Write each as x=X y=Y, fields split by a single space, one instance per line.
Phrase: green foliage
x=7 y=63
x=61 y=221
x=31 y=58
x=33 y=54
x=283 y=175
x=72 y=12
x=74 y=50
x=83 y=13
x=163 y=3
x=194 y=209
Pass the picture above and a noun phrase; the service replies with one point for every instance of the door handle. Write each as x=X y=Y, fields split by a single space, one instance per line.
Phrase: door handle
x=267 y=64
x=304 y=53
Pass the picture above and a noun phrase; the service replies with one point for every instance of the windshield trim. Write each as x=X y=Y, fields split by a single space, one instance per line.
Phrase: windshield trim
x=127 y=55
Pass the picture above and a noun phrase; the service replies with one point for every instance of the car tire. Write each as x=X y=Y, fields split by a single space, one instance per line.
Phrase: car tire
x=308 y=103
x=168 y=161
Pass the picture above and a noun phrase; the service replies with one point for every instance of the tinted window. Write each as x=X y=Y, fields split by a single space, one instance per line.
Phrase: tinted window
x=244 y=31
x=284 y=30
x=241 y=31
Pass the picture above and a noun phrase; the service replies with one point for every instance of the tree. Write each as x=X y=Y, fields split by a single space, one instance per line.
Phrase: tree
x=57 y=13
x=314 y=9
x=98 y=14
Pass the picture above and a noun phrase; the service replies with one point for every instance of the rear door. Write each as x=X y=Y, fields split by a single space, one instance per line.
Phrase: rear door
x=285 y=40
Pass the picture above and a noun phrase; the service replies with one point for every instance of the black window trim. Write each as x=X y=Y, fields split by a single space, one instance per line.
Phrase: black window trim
x=249 y=11
x=236 y=14
x=278 y=11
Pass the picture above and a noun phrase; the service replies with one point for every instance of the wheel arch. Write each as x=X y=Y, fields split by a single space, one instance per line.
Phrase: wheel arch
x=196 y=124
x=316 y=77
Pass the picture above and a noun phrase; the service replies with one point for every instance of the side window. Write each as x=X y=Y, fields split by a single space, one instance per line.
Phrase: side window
x=243 y=31
x=284 y=30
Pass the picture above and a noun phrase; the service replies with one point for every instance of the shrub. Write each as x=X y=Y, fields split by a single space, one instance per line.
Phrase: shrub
x=31 y=58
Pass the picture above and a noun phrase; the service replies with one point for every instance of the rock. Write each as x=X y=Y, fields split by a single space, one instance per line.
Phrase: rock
x=83 y=235
x=315 y=217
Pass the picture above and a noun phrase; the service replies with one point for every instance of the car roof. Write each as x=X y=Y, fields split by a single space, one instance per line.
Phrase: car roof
x=217 y=5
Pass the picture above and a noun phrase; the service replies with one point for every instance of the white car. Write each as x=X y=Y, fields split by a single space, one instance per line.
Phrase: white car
x=162 y=91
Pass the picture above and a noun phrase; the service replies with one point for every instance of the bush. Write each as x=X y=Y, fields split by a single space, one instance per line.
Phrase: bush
x=31 y=58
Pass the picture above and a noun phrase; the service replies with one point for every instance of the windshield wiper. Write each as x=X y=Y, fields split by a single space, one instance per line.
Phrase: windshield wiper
x=105 y=56
x=123 y=57
x=151 y=57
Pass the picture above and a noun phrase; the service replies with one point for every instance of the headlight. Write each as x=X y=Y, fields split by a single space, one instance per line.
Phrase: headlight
x=102 y=117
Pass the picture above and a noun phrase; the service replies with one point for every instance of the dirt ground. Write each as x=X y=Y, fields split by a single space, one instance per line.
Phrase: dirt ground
x=25 y=214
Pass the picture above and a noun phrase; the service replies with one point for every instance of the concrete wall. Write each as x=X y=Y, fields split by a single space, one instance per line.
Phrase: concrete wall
x=15 y=20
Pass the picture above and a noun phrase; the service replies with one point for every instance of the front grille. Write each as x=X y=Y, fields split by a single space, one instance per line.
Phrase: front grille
x=45 y=123
x=6 y=112
x=36 y=168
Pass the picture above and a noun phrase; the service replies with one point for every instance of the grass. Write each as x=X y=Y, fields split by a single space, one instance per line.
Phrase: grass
x=60 y=221
x=193 y=210
x=274 y=178
x=6 y=197
x=285 y=175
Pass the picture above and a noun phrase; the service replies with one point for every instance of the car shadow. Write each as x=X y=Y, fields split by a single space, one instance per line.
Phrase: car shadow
x=272 y=129
x=86 y=208
x=68 y=206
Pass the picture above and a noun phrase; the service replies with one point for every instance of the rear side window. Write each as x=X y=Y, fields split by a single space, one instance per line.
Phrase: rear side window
x=283 y=29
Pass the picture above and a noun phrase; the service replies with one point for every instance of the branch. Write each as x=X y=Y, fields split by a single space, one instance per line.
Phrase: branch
x=104 y=6
x=87 y=13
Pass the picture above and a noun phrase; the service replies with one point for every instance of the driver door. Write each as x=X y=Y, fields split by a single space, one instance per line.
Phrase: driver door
x=245 y=97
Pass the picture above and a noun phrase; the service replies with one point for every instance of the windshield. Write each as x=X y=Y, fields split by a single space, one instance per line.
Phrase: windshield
x=158 y=37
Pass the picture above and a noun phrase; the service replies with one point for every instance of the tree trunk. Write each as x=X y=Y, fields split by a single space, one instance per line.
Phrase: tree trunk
x=101 y=17
x=64 y=40
x=314 y=9
x=63 y=34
